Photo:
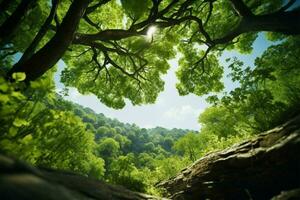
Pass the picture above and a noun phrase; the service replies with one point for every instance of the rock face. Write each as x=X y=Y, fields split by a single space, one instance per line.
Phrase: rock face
x=19 y=181
x=288 y=195
x=255 y=169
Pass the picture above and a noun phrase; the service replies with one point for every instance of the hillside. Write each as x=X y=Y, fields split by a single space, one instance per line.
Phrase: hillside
x=136 y=140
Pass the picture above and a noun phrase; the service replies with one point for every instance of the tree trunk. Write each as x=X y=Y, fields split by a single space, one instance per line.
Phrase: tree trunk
x=11 y=24
x=279 y=22
x=47 y=57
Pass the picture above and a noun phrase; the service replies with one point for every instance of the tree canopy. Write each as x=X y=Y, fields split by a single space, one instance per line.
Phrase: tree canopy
x=109 y=52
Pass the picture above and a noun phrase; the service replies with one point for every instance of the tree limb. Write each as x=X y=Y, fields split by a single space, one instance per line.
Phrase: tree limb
x=44 y=59
x=241 y=8
x=43 y=30
x=287 y=6
x=10 y=25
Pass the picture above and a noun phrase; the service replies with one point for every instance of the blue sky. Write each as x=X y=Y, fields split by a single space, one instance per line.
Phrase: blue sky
x=170 y=109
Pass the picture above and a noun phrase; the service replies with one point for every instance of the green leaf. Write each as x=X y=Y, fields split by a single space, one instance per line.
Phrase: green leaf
x=133 y=9
x=4 y=98
x=20 y=122
x=18 y=95
x=19 y=76
x=13 y=131
x=4 y=87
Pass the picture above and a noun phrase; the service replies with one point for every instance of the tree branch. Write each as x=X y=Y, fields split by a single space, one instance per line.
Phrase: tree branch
x=10 y=25
x=287 y=6
x=92 y=8
x=106 y=35
x=44 y=59
x=43 y=30
x=90 y=22
x=241 y=8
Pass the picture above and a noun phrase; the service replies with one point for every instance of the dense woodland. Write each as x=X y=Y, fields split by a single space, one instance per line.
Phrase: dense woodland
x=110 y=53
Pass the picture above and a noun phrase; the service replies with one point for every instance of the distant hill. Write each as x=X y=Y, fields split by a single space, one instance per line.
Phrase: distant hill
x=141 y=139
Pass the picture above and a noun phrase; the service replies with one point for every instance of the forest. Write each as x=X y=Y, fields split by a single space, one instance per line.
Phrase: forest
x=118 y=50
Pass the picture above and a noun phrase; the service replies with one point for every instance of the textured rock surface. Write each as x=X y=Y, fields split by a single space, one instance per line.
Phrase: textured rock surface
x=21 y=181
x=255 y=169
x=288 y=195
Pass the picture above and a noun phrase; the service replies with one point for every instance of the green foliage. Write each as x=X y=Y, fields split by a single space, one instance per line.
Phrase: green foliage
x=116 y=86
x=123 y=172
x=29 y=26
x=188 y=146
x=170 y=166
x=268 y=94
x=10 y=100
x=108 y=16
x=212 y=143
x=245 y=42
x=136 y=10
x=138 y=64
x=269 y=89
x=20 y=76
x=109 y=149
x=31 y=128
x=205 y=76
x=220 y=121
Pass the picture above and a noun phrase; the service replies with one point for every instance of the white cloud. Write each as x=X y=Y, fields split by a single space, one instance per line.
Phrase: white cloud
x=58 y=90
x=182 y=112
x=161 y=101
x=73 y=94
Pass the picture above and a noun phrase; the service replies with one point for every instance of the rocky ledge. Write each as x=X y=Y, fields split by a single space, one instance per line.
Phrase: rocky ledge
x=20 y=181
x=263 y=168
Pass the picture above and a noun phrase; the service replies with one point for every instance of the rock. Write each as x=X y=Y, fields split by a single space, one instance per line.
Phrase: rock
x=20 y=181
x=288 y=195
x=256 y=169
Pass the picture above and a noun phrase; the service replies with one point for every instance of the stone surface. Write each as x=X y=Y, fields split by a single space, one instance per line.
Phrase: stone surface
x=22 y=181
x=256 y=169
x=288 y=195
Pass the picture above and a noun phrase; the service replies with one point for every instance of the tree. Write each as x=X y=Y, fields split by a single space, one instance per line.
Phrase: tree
x=123 y=172
x=188 y=145
x=119 y=59
x=221 y=121
x=169 y=167
x=108 y=148
x=268 y=93
x=167 y=143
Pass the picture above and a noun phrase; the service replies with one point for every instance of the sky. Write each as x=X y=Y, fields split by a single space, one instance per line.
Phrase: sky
x=170 y=109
